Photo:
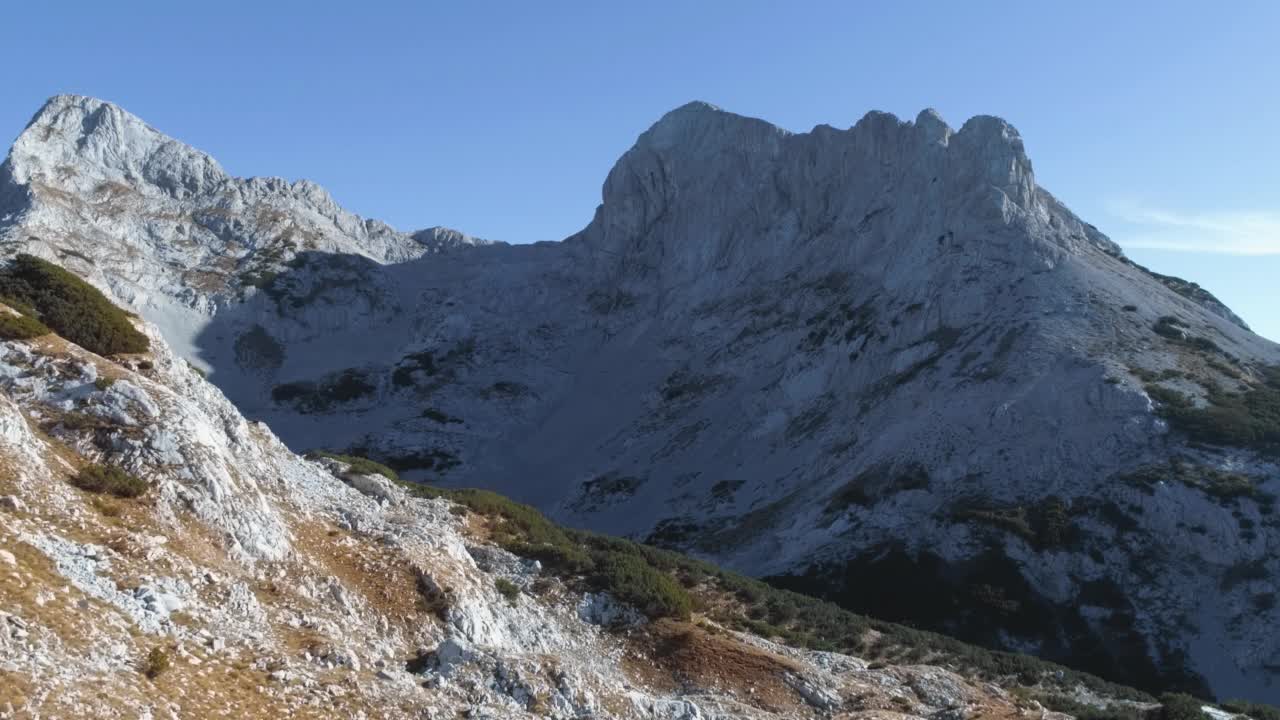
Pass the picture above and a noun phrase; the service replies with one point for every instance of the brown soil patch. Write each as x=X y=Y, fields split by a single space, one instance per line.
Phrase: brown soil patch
x=673 y=654
x=381 y=575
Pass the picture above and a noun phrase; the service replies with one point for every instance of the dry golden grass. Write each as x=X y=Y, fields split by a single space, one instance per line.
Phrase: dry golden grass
x=382 y=576
x=35 y=592
x=669 y=655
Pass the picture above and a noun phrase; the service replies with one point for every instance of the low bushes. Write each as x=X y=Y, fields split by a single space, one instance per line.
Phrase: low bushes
x=1225 y=486
x=441 y=417
x=1176 y=706
x=663 y=583
x=70 y=306
x=1081 y=711
x=616 y=566
x=1046 y=524
x=257 y=349
x=1254 y=710
x=20 y=327
x=1170 y=327
x=1250 y=419
x=877 y=483
x=318 y=397
x=109 y=480
x=156 y=663
x=634 y=581
x=521 y=529
x=357 y=464
x=196 y=369
x=507 y=589
x=438 y=460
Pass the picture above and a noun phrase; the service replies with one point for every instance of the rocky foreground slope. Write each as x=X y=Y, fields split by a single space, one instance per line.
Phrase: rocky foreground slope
x=163 y=557
x=881 y=362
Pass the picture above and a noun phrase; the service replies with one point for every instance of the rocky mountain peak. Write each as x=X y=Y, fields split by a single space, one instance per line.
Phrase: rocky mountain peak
x=935 y=129
x=993 y=147
x=78 y=143
x=440 y=239
x=702 y=126
x=707 y=191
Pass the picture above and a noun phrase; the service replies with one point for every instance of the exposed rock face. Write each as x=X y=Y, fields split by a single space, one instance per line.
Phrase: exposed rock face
x=876 y=352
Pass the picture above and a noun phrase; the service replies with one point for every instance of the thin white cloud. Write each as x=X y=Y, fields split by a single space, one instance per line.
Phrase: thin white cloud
x=1229 y=233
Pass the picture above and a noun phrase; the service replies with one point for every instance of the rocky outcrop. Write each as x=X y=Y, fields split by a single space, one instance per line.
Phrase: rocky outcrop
x=881 y=350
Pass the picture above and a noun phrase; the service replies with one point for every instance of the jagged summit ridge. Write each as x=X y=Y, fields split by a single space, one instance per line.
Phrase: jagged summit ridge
x=666 y=201
x=161 y=225
x=86 y=146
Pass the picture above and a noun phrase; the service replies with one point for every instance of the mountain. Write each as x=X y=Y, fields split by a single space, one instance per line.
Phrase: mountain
x=879 y=364
x=163 y=557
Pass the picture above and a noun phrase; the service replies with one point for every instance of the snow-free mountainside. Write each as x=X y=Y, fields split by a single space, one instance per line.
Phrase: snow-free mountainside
x=879 y=364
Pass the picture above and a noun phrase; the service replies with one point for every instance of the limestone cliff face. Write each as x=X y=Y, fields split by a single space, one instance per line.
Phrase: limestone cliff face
x=882 y=352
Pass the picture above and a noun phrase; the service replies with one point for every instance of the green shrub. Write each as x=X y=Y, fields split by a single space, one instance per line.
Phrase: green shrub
x=77 y=421
x=439 y=460
x=507 y=589
x=1174 y=330
x=20 y=327
x=523 y=530
x=440 y=417
x=358 y=464
x=109 y=480
x=616 y=566
x=1224 y=486
x=1081 y=711
x=103 y=382
x=877 y=483
x=257 y=349
x=317 y=397
x=435 y=599
x=262 y=279
x=631 y=571
x=1257 y=711
x=1168 y=397
x=1045 y=524
x=156 y=663
x=19 y=306
x=71 y=307
x=1250 y=419
x=1176 y=706
x=634 y=581
x=421 y=361
x=1170 y=327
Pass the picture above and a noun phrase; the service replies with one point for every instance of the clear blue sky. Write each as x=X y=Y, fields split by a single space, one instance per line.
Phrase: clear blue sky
x=1158 y=121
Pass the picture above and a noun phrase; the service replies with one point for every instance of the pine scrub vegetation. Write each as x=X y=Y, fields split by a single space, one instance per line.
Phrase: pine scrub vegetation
x=1248 y=419
x=109 y=480
x=20 y=327
x=358 y=464
x=70 y=306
